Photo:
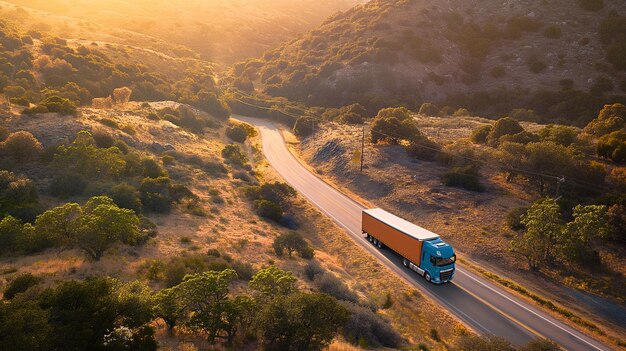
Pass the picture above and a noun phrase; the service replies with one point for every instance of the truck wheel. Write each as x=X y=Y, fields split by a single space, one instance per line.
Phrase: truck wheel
x=374 y=241
x=370 y=238
x=428 y=277
x=405 y=262
x=380 y=245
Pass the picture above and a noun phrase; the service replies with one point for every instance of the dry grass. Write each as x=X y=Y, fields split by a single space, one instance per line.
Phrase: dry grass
x=473 y=222
x=233 y=228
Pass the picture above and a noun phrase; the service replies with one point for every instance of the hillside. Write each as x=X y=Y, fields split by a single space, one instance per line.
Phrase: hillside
x=222 y=31
x=112 y=209
x=489 y=57
x=480 y=212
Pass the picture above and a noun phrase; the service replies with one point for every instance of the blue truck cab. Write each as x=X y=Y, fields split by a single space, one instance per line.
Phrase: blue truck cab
x=438 y=261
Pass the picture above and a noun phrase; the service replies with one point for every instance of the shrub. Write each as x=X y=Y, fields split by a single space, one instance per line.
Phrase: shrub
x=103 y=140
x=429 y=109
x=84 y=157
x=613 y=146
x=67 y=185
x=463 y=177
x=268 y=209
x=21 y=146
x=59 y=105
x=514 y=218
x=316 y=318
x=10 y=230
x=155 y=194
x=312 y=269
x=304 y=126
x=234 y=154
x=480 y=134
x=126 y=196
x=20 y=284
x=121 y=95
x=331 y=285
x=350 y=118
x=368 y=329
x=18 y=196
x=503 y=126
x=462 y=112
x=610 y=119
x=558 y=134
x=292 y=242
x=151 y=168
x=237 y=133
x=425 y=150
x=21 y=101
x=102 y=103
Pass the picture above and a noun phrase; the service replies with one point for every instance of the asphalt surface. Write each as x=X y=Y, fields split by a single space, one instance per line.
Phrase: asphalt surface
x=478 y=303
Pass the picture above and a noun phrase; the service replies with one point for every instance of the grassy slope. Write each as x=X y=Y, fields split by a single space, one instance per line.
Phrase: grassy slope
x=232 y=226
x=220 y=30
x=383 y=48
x=475 y=223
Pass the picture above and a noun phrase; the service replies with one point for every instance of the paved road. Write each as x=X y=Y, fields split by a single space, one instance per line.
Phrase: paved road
x=480 y=304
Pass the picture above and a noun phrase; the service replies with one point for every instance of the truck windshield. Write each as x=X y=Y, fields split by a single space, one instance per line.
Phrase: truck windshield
x=439 y=262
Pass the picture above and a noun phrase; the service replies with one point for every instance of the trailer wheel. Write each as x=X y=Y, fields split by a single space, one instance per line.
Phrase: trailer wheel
x=405 y=262
x=380 y=245
x=427 y=277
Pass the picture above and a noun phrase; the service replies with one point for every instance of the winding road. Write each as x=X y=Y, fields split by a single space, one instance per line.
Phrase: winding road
x=480 y=304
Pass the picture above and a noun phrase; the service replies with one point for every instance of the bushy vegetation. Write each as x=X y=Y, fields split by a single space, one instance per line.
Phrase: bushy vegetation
x=18 y=197
x=21 y=147
x=466 y=177
x=112 y=316
x=270 y=199
x=233 y=154
x=548 y=238
x=93 y=228
x=292 y=242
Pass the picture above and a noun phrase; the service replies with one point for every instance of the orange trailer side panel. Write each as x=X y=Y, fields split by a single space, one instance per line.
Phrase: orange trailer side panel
x=407 y=246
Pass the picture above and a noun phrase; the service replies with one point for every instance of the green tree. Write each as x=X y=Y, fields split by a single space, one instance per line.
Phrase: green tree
x=18 y=196
x=234 y=154
x=543 y=227
x=610 y=119
x=273 y=281
x=20 y=284
x=292 y=242
x=237 y=133
x=102 y=224
x=561 y=135
x=126 y=196
x=56 y=224
x=206 y=295
x=300 y=322
x=169 y=307
x=82 y=313
x=24 y=327
x=84 y=157
x=155 y=194
x=11 y=229
x=589 y=225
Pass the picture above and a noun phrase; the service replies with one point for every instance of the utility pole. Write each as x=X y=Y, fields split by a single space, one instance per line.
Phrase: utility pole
x=362 y=146
x=558 y=185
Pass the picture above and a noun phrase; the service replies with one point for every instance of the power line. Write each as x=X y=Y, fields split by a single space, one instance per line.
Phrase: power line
x=306 y=113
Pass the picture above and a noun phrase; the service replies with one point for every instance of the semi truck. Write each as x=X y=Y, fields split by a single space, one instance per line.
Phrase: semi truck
x=422 y=251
